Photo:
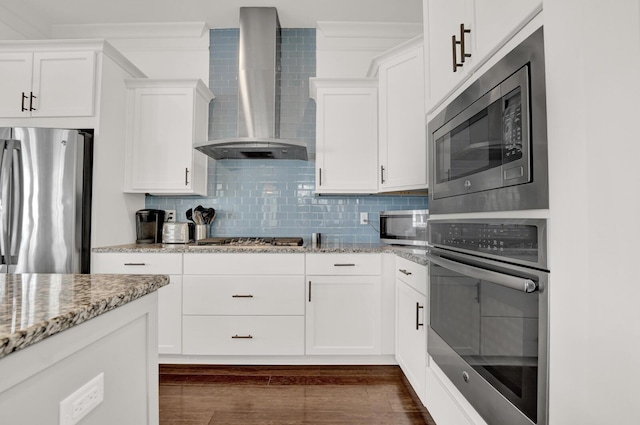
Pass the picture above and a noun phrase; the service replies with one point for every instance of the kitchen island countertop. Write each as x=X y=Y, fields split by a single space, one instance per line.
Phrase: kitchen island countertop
x=415 y=255
x=36 y=306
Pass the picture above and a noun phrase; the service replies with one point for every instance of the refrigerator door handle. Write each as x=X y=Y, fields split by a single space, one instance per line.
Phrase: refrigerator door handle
x=17 y=202
x=6 y=158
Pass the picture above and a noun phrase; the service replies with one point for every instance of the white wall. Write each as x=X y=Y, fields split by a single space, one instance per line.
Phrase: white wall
x=160 y=50
x=593 y=60
x=345 y=49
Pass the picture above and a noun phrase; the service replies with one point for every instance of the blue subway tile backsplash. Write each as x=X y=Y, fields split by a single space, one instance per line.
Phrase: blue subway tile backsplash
x=276 y=197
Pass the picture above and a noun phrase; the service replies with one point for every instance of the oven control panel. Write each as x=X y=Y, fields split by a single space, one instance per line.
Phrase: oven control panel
x=509 y=239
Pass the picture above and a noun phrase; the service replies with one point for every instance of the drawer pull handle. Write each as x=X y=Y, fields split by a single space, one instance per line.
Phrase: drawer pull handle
x=135 y=264
x=344 y=265
x=418 y=308
x=242 y=337
x=405 y=272
x=241 y=296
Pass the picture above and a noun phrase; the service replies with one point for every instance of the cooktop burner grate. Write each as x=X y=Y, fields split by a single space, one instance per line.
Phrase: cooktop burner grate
x=251 y=241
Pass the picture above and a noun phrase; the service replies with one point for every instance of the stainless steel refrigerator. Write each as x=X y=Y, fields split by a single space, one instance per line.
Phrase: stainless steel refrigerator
x=45 y=200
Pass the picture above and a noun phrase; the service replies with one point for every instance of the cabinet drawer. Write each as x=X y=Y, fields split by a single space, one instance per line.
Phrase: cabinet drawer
x=244 y=264
x=243 y=335
x=137 y=263
x=243 y=295
x=344 y=264
x=413 y=274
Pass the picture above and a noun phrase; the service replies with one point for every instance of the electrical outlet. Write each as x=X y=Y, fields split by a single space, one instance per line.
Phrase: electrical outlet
x=364 y=218
x=82 y=401
x=170 y=216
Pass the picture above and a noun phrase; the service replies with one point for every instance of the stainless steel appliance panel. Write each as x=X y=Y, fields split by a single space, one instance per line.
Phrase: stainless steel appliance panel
x=496 y=133
x=45 y=216
x=404 y=227
x=488 y=327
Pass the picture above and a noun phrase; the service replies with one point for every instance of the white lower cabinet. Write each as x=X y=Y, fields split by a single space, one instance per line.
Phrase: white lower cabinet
x=243 y=304
x=411 y=322
x=243 y=335
x=343 y=314
x=169 y=296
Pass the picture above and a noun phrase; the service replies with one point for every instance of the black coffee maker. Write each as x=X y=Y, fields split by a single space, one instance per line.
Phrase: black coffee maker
x=149 y=224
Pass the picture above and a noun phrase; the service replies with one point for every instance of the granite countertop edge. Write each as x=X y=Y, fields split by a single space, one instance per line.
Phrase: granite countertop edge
x=345 y=248
x=141 y=285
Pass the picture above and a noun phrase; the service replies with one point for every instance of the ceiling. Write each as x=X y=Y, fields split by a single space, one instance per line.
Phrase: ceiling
x=216 y=13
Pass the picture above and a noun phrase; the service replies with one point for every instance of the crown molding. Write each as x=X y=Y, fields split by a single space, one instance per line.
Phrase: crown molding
x=404 y=31
x=394 y=51
x=132 y=31
x=316 y=83
x=191 y=83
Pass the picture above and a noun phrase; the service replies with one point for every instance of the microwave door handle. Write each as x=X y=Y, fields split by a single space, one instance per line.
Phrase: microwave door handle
x=512 y=282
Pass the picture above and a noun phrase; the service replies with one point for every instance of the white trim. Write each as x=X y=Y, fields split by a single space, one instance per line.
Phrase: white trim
x=193 y=83
x=397 y=50
x=280 y=360
x=332 y=29
x=351 y=83
x=132 y=30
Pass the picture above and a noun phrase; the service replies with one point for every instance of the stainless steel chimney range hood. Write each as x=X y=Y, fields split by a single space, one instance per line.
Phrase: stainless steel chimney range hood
x=258 y=94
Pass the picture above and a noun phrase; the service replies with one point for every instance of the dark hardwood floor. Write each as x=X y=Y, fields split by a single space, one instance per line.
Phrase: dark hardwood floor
x=287 y=395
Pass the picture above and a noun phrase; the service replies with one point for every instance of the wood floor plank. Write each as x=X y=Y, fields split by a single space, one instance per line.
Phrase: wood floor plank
x=263 y=395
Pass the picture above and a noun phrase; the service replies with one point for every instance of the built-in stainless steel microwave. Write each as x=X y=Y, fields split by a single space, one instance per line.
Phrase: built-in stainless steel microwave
x=488 y=147
x=404 y=227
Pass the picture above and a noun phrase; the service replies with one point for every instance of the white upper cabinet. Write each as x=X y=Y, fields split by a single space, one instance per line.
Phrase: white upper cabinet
x=165 y=119
x=460 y=35
x=498 y=21
x=402 y=145
x=346 y=135
x=46 y=83
x=446 y=63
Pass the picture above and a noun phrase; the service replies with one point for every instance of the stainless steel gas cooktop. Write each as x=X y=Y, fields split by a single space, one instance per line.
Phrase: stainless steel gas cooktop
x=250 y=241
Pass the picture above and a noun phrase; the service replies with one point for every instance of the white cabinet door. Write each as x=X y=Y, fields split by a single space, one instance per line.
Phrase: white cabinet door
x=346 y=135
x=15 y=82
x=170 y=317
x=411 y=337
x=402 y=143
x=64 y=84
x=442 y=22
x=164 y=121
x=343 y=315
x=169 y=296
x=47 y=84
x=498 y=20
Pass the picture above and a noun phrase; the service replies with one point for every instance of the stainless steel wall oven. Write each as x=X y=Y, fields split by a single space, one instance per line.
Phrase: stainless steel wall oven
x=488 y=330
x=488 y=147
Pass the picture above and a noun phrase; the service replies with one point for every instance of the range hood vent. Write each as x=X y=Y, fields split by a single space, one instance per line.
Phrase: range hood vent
x=258 y=94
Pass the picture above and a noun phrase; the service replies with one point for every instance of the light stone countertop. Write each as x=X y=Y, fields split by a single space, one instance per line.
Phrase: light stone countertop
x=36 y=306
x=415 y=255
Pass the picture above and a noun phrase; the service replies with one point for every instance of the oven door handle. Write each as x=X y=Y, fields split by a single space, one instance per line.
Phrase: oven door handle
x=513 y=282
